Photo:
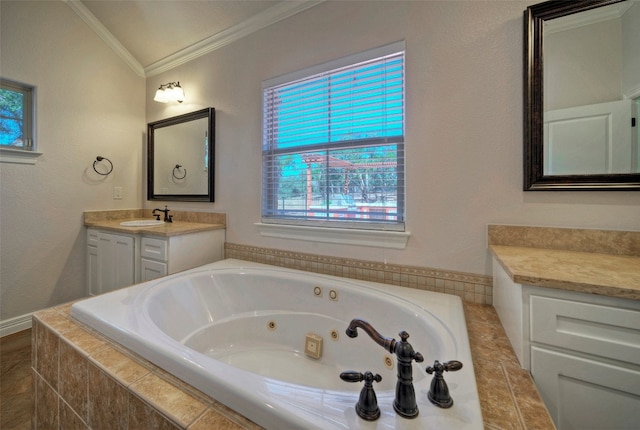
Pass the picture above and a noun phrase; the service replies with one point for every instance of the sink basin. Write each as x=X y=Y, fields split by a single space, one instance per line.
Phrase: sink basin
x=141 y=223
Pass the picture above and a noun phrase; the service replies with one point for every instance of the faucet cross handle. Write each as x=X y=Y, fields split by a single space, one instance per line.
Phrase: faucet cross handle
x=367 y=406
x=439 y=391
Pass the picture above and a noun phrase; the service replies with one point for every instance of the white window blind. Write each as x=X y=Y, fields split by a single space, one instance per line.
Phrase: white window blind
x=333 y=146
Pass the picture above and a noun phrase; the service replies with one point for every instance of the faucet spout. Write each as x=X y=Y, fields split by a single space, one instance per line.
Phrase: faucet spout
x=405 y=403
x=386 y=342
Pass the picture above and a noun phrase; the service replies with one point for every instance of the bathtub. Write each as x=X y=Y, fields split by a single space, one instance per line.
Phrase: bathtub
x=238 y=332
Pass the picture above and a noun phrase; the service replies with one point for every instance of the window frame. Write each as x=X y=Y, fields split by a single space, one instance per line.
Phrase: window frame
x=346 y=231
x=28 y=153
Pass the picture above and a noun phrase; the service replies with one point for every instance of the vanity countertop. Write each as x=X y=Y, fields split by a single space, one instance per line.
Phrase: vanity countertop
x=183 y=222
x=166 y=229
x=588 y=272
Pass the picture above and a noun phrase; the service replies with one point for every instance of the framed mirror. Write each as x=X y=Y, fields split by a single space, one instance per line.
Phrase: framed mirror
x=180 y=157
x=582 y=95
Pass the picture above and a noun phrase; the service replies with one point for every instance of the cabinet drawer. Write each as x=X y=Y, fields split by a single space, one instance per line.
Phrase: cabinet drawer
x=156 y=249
x=150 y=269
x=601 y=330
x=92 y=237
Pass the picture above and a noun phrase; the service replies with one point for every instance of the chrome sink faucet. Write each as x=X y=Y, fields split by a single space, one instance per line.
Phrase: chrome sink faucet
x=167 y=217
x=405 y=402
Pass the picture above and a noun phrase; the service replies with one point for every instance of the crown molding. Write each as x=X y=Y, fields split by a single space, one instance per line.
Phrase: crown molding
x=257 y=22
x=105 y=35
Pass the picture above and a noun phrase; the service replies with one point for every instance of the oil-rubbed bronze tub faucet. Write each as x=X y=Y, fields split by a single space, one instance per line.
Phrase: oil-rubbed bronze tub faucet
x=405 y=402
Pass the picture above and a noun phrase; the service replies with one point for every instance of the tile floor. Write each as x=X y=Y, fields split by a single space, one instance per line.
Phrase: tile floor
x=15 y=381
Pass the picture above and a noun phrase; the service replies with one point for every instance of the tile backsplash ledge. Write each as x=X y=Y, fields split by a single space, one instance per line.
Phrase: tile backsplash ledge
x=469 y=287
x=614 y=242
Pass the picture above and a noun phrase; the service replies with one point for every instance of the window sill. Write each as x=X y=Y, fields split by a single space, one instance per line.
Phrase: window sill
x=18 y=156
x=374 y=238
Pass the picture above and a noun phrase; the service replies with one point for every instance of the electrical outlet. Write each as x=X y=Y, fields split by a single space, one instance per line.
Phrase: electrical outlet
x=117 y=193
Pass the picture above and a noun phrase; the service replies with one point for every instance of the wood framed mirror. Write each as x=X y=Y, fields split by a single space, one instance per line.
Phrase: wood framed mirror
x=180 y=158
x=572 y=78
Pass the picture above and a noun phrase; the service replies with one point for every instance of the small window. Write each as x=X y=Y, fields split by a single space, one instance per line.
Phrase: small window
x=333 y=144
x=17 y=119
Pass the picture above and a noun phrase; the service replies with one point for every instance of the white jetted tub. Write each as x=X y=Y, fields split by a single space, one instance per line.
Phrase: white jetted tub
x=245 y=333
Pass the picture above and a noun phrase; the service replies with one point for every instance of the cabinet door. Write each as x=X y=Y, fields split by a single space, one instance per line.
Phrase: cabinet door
x=150 y=269
x=583 y=393
x=92 y=270
x=116 y=261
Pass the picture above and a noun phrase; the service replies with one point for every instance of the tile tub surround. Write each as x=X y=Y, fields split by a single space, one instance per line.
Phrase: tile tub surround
x=469 y=287
x=83 y=380
x=590 y=261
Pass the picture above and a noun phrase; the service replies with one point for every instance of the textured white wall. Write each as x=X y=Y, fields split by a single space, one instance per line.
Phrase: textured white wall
x=463 y=125
x=464 y=134
x=90 y=103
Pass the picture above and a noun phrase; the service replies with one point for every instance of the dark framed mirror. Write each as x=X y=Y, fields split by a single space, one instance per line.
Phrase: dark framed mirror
x=180 y=157
x=582 y=95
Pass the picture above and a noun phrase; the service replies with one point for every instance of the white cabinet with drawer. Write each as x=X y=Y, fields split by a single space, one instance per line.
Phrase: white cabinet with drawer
x=116 y=260
x=160 y=256
x=583 y=351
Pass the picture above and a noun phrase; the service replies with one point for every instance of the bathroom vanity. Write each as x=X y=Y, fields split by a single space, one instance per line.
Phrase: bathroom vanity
x=120 y=256
x=573 y=319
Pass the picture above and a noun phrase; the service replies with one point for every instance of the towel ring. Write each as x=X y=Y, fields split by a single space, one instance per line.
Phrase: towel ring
x=178 y=167
x=99 y=159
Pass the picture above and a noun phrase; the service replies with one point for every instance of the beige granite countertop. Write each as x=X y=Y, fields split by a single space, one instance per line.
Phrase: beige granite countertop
x=183 y=222
x=587 y=272
x=603 y=262
x=174 y=228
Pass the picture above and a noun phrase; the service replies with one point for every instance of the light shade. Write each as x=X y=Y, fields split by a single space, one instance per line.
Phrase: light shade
x=169 y=92
x=161 y=96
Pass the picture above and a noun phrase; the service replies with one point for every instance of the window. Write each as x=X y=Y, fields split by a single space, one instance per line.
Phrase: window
x=16 y=115
x=333 y=144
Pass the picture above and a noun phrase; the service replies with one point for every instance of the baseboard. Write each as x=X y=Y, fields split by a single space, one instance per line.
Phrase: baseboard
x=14 y=325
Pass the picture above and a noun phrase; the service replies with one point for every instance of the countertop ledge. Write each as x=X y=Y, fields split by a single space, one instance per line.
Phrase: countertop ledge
x=586 y=272
x=167 y=229
x=183 y=222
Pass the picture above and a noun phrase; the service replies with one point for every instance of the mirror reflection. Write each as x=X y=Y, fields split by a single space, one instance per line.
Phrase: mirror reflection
x=582 y=95
x=180 y=161
x=591 y=91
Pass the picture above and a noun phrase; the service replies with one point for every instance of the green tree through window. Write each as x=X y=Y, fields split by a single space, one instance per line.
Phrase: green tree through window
x=333 y=146
x=16 y=115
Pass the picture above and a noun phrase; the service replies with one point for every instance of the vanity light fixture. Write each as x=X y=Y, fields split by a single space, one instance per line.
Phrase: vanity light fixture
x=170 y=92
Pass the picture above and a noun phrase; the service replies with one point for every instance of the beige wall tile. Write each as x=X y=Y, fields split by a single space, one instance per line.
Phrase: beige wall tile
x=47 y=347
x=69 y=420
x=143 y=416
x=213 y=420
x=73 y=383
x=84 y=340
x=46 y=414
x=118 y=365
x=108 y=401
x=167 y=398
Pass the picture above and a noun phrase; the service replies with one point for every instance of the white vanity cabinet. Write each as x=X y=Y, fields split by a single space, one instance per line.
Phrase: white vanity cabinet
x=161 y=256
x=583 y=351
x=116 y=260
